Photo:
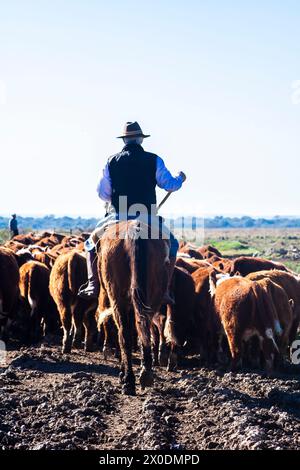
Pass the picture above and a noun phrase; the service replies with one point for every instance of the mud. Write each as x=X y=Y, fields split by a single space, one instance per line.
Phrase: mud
x=55 y=401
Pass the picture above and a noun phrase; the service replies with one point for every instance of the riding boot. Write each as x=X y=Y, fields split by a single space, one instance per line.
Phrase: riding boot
x=90 y=290
x=167 y=298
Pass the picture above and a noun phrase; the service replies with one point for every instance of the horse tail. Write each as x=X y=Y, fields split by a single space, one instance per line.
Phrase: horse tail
x=139 y=287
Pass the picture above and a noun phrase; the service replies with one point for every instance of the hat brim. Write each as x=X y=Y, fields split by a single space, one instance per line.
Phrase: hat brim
x=136 y=135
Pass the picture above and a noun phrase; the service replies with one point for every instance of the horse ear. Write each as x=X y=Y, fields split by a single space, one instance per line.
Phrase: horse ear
x=292 y=303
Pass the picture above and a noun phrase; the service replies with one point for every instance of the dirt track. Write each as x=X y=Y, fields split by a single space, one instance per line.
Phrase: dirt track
x=51 y=401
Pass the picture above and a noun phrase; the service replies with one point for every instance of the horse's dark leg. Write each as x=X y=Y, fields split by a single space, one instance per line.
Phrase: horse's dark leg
x=164 y=350
x=155 y=343
x=125 y=341
x=146 y=375
x=173 y=358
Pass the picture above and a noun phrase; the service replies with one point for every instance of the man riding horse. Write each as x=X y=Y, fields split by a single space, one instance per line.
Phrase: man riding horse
x=132 y=174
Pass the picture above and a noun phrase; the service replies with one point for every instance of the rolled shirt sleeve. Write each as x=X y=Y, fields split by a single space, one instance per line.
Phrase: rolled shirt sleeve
x=164 y=179
x=104 y=188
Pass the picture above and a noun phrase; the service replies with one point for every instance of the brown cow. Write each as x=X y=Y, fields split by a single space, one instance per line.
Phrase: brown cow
x=191 y=264
x=291 y=284
x=107 y=328
x=28 y=239
x=34 y=290
x=59 y=249
x=191 y=251
x=9 y=290
x=14 y=246
x=46 y=258
x=245 y=310
x=222 y=264
x=67 y=275
x=176 y=326
x=44 y=235
x=207 y=251
x=23 y=256
x=209 y=323
x=134 y=274
x=247 y=264
x=50 y=240
x=284 y=312
x=71 y=241
x=107 y=333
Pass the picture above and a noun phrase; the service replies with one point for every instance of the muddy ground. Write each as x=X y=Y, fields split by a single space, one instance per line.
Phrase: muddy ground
x=54 y=401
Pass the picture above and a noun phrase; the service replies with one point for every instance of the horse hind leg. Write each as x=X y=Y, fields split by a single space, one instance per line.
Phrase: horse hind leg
x=146 y=374
x=125 y=341
x=173 y=358
x=164 y=350
x=155 y=344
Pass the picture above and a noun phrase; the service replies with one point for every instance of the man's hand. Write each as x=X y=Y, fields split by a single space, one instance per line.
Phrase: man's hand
x=183 y=176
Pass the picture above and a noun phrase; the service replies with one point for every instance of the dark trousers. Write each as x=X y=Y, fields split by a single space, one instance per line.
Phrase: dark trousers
x=14 y=233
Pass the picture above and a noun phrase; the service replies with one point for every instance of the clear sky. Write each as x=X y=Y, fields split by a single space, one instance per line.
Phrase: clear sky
x=211 y=81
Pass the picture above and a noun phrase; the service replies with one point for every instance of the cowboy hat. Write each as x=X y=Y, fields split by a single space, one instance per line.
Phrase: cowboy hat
x=132 y=129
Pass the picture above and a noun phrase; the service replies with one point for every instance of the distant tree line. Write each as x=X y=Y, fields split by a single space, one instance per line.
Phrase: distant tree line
x=50 y=222
x=250 y=222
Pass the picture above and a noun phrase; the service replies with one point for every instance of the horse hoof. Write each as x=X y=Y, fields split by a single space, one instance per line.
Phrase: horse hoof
x=128 y=389
x=172 y=363
x=117 y=355
x=107 y=353
x=121 y=377
x=171 y=367
x=146 y=378
x=66 y=349
x=89 y=348
x=163 y=358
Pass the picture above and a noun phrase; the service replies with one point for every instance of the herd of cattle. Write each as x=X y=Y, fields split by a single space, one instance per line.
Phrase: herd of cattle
x=234 y=311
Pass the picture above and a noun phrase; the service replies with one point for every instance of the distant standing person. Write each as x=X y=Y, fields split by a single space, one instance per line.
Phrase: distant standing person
x=13 y=226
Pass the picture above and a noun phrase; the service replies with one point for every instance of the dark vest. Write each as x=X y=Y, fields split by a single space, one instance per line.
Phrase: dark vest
x=133 y=174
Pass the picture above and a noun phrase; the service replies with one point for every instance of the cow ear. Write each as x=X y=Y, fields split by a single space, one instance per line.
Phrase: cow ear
x=212 y=282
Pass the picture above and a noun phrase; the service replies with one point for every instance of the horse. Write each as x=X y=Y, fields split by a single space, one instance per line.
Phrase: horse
x=134 y=273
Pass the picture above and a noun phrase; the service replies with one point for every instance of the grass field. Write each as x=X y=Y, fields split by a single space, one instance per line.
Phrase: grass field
x=277 y=244
x=4 y=236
